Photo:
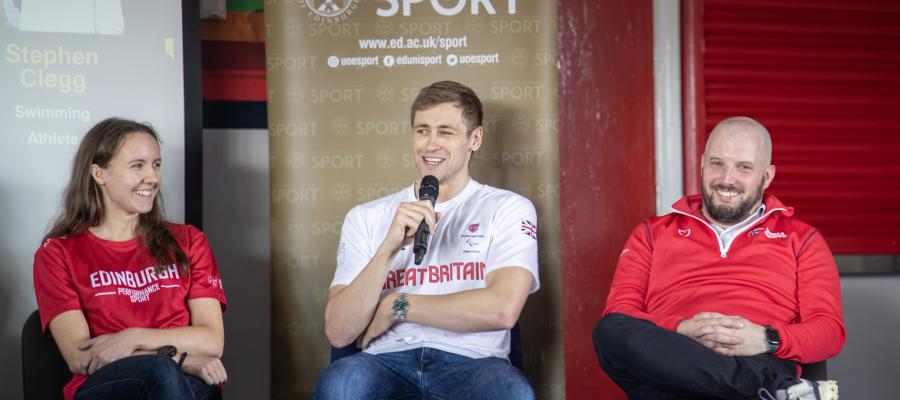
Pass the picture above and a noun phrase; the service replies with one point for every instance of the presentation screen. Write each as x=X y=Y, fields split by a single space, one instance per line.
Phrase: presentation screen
x=64 y=66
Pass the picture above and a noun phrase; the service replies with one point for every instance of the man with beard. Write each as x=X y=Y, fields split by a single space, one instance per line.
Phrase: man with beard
x=728 y=294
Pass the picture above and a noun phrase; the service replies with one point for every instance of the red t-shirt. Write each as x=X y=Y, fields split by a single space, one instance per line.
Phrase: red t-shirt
x=116 y=285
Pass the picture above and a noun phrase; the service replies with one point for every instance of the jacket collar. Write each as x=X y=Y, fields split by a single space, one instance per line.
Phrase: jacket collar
x=693 y=203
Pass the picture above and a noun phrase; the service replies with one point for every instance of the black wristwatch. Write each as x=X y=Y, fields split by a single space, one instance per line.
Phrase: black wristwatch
x=168 y=350
x=773 y=338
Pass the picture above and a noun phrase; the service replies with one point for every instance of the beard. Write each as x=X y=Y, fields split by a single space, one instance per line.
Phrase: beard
x=730 y=215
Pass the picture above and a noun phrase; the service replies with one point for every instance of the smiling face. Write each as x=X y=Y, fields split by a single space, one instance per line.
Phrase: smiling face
x=130 y=181
x=735 y=170
x=442 y=146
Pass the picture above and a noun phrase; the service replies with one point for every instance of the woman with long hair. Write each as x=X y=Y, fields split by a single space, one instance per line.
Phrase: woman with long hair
x=133 y=302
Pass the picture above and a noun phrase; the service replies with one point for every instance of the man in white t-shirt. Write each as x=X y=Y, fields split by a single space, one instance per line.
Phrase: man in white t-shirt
x=441 y=328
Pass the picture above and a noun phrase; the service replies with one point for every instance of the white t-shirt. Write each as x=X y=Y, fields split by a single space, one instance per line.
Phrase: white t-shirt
x=481 y=229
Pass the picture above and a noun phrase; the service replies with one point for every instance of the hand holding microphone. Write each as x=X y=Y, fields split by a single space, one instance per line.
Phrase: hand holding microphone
x=412 y=221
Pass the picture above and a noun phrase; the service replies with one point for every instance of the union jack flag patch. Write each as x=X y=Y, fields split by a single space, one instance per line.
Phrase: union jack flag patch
x=529 y=229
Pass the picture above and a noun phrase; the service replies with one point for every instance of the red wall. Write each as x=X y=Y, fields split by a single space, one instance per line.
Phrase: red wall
x=606 y=164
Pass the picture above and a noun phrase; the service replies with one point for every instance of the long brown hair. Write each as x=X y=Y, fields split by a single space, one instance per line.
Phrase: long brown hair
x=83 y=198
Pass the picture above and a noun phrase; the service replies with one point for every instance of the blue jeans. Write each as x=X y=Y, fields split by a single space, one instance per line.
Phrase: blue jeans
x=422 y=373
x=144 y=377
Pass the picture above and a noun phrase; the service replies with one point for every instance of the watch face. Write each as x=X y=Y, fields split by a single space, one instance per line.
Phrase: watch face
x=168 y=351
x=772 y=336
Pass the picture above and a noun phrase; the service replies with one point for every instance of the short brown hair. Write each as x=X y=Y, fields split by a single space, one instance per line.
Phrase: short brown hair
x=450 y=92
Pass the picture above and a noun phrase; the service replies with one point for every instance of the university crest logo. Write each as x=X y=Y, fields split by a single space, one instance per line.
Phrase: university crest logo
x=329 y=11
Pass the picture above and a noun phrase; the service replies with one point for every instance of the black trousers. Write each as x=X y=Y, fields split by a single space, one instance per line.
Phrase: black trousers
x=649 y=362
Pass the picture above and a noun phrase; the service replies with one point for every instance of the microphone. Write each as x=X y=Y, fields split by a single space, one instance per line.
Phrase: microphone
x=428 y=190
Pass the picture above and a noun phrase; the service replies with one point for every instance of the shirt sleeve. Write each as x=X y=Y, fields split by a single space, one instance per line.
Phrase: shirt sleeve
x=353 y=253
x=628 y=292
x=53 y=285
x=206 y=280
x=819 y=333
x=514 y=242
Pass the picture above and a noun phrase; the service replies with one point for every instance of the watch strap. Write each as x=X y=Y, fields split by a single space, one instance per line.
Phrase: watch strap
x=773 y=338
x=400 y=307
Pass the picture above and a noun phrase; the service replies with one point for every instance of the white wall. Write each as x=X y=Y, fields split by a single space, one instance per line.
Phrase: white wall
x=236 y=221
x=667 y=103
x=16 y=302
x=867 y=366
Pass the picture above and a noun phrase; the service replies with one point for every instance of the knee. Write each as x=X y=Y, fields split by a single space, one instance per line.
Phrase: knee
x=501 y=382
x=520 y=389
x=161 y=369
x=612 y=337
x=154 y=372
x=349 y=377
x=606 y=332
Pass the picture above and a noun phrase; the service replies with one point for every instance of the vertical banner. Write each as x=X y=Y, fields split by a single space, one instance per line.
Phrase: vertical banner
x=342 y=75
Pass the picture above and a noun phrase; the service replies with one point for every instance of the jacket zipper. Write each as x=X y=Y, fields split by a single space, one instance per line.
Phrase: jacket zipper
x=723 y=251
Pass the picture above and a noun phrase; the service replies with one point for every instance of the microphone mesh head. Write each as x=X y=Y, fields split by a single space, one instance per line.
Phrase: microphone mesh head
x=428 y=188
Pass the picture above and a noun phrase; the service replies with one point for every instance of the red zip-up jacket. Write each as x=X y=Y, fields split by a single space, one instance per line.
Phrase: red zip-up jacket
x=778 y=271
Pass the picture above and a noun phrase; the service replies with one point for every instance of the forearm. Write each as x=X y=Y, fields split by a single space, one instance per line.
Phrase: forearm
x=626 y=296
x=207 y=368
x=811 y=341
x=492 y=308
x=188 y=339
x=350 y=308
x=669 y=322
x=476 y=310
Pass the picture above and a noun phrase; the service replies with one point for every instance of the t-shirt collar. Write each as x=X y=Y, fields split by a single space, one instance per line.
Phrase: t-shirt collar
x=471 y=187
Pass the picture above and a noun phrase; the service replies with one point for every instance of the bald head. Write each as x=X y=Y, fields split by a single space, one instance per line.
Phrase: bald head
x=746 y=130
x=736 y=169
